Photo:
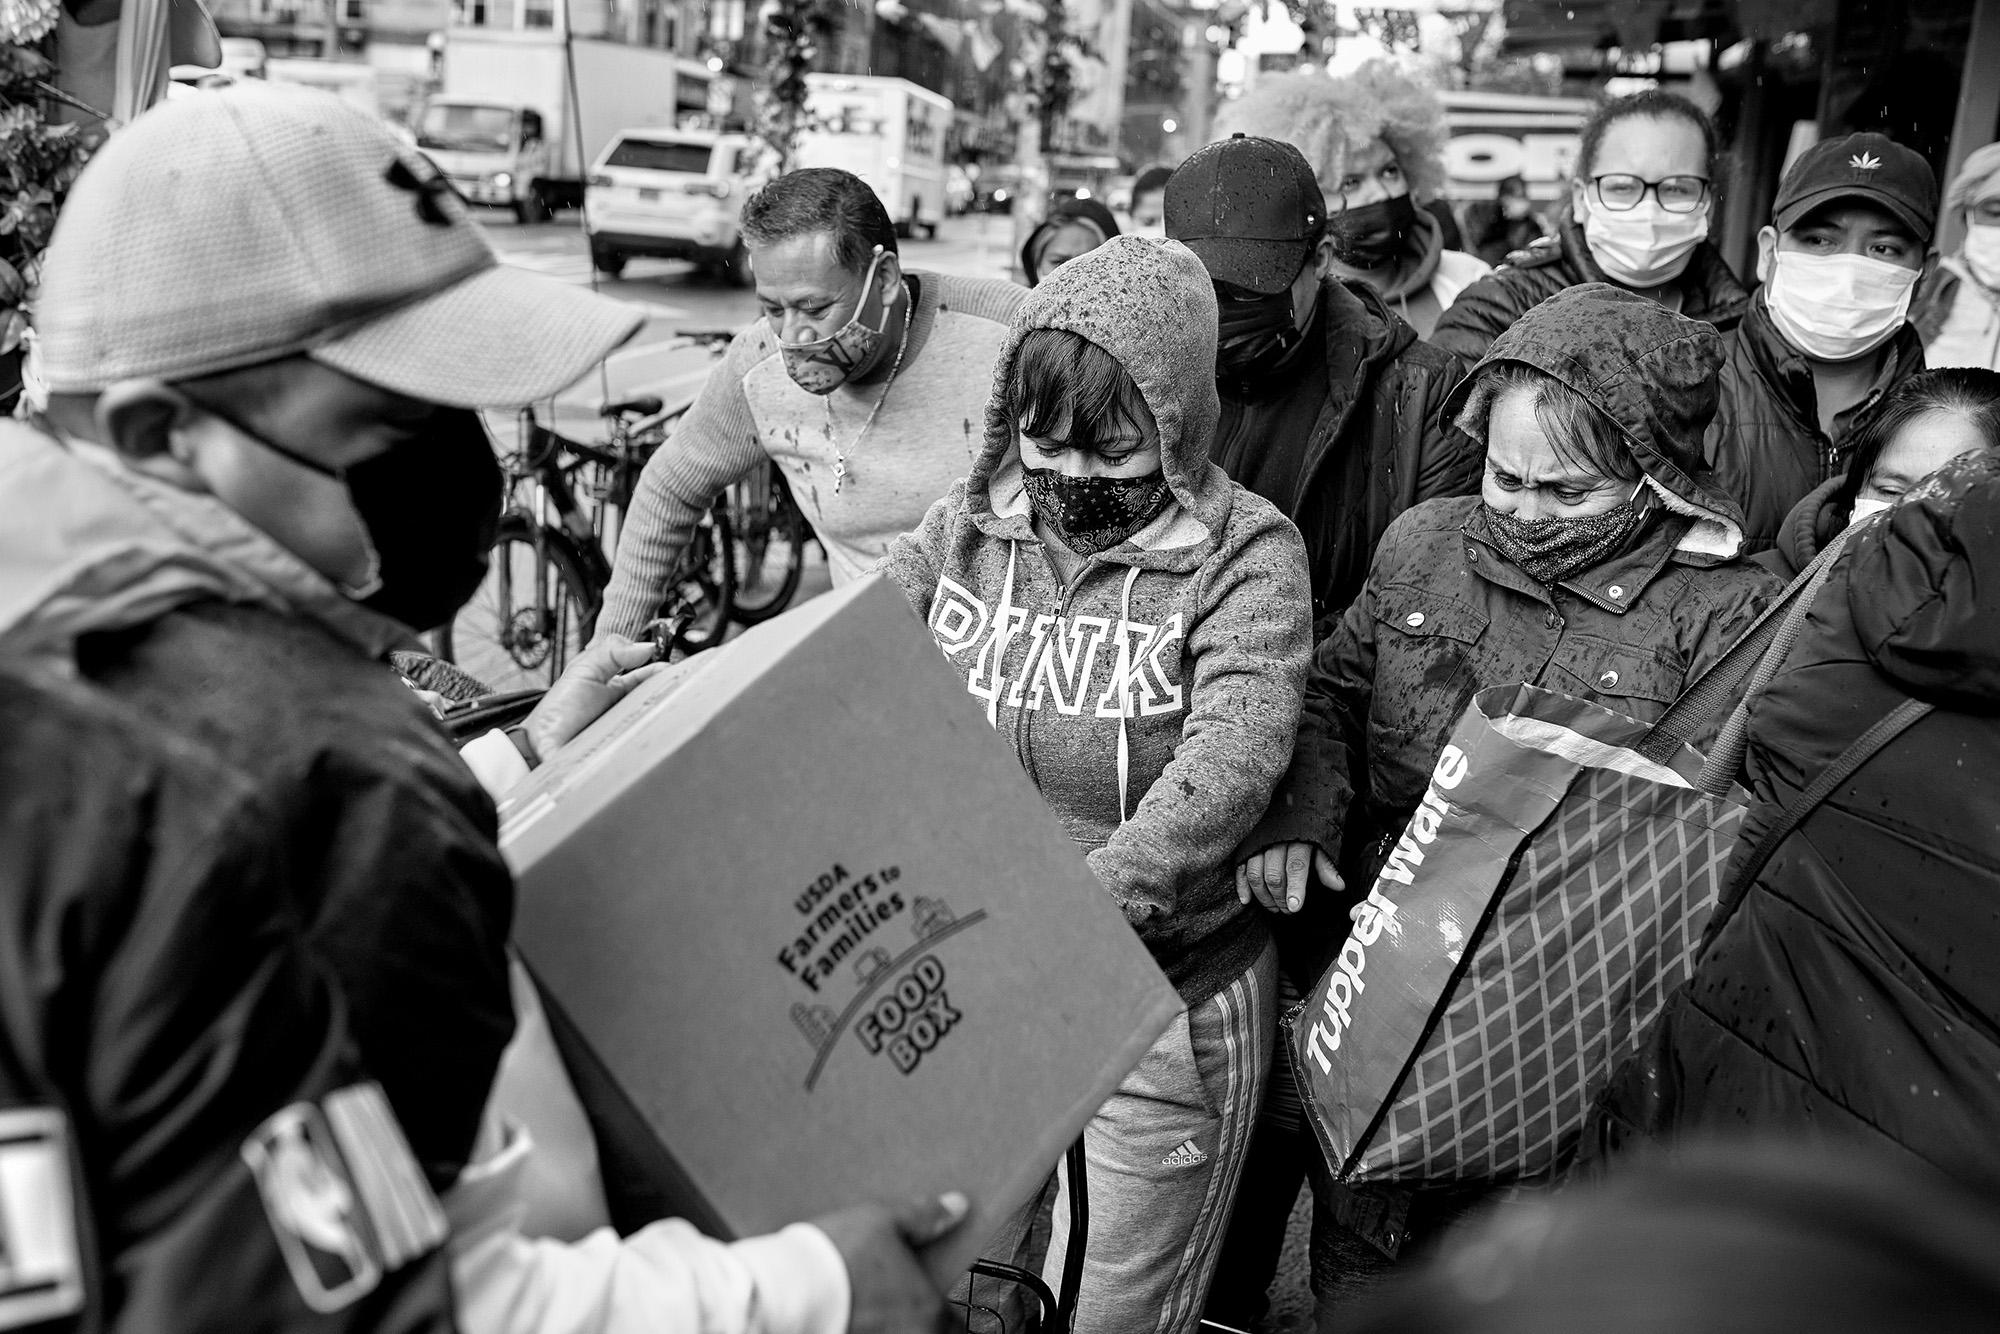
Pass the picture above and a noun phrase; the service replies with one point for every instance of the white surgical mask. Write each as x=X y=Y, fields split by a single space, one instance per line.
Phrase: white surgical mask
x=1837 y=307
x=1865 y=509
x=1982 y=252
x=1645 y=245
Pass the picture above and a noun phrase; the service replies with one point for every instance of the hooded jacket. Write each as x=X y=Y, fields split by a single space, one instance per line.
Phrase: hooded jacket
x=1385 y=393
x=1813 y=522
x=1709 y=290
x=1765 y=444
x=1428 y=286
x=1153 y=698
x=181 y=612
x=1445 y=613
x=1851 y=992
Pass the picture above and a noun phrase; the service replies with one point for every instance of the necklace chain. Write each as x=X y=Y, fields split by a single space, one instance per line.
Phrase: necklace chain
x=833 y=437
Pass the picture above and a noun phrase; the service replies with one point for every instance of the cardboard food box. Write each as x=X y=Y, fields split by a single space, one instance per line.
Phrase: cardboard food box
x=819 y=935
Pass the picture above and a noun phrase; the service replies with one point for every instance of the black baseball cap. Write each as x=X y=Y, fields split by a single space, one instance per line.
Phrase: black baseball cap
x=1873 y=167
x=1250 y=209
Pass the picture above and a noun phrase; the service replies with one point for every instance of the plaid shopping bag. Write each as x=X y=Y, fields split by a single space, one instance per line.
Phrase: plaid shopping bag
x=1546 y=898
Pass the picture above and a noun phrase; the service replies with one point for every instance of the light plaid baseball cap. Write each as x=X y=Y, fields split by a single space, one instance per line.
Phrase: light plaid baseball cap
x=261 y=221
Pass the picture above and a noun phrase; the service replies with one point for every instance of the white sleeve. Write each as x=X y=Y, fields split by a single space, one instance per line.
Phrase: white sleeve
x=664 y=1279
x=494 y=761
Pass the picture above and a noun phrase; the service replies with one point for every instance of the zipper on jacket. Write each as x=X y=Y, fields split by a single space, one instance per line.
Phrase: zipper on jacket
x=1022 y=723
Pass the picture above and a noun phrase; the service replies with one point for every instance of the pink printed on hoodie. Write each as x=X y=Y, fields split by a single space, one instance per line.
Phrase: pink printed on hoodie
x=1153 y=699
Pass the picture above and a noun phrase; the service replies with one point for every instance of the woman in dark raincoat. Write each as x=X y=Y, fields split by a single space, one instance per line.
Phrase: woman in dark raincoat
x=1598 y=560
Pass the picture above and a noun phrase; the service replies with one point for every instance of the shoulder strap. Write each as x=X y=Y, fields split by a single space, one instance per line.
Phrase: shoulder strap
x=1733 y=680
x=1864 y=748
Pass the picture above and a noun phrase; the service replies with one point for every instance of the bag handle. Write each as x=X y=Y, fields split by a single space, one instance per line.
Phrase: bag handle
x=1736 y=678
x=1863 y=749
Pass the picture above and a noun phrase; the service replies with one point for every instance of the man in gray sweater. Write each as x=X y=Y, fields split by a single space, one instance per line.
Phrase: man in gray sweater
x=865 y=383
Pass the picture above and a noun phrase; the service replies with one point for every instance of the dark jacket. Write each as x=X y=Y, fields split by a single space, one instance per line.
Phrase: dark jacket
x=1495 y=236
x=1766 y=445
x=1445 y=614
x=1813 y=522
x=1385 y=390
x=178 y=609
x=1852 y=994
x=158 y=1003
x=1710 y=291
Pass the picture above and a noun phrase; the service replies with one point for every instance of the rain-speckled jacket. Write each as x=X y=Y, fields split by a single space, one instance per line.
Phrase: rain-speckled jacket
x=1446 y=614
x=1154 y=695
x=1851 y=994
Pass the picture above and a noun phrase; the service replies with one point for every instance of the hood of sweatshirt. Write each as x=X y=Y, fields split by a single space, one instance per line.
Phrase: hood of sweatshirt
x=1920 y=587
x=91 y=546
x=1651 y=371
x=1150 y=304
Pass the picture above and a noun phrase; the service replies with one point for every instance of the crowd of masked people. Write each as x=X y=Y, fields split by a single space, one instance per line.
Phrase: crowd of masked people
x=259 y=1015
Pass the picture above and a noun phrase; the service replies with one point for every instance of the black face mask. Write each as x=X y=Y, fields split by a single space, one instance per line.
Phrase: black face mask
x=1093 y=514
x=1374 y=234
x=1254 y=334
x=431 y=507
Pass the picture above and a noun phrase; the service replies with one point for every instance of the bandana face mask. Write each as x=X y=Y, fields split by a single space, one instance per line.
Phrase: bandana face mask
x=1093 y=514
x=825 y=364
x=1551 y=550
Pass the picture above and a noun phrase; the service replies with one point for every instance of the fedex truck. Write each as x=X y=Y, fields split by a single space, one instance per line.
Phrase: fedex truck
x=890 y=133
x=501 y=127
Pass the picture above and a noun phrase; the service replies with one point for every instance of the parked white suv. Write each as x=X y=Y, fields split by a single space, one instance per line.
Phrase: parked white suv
x=673 y=193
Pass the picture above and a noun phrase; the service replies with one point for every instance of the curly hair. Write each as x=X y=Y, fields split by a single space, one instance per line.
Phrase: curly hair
x=1329 y=119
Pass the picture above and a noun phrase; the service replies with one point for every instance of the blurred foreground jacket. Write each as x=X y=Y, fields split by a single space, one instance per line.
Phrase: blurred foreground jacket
x=1852 y=994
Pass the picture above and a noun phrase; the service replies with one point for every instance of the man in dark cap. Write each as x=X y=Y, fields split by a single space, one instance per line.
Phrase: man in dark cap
x=1828 y=335
x=1329 y=411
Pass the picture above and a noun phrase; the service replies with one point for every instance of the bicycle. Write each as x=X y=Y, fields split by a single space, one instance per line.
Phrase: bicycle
x=771 y=533
x=537 y=607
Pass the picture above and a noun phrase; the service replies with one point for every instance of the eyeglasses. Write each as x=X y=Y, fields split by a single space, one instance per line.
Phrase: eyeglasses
x=1620 y=192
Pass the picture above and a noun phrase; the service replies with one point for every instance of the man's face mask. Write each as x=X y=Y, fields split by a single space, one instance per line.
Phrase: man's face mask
x=1093 y=514
x=1375 y=234
x=825 y=364
x=429 y=507
x=1837 y=307
x=1254 y=333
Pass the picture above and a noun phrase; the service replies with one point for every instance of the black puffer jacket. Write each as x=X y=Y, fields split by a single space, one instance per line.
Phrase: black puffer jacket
x=1446 y=614
x=1766 y=445
x=1813 y=522
x=1709 y=290
x=1385 y=391
x=1852 y=994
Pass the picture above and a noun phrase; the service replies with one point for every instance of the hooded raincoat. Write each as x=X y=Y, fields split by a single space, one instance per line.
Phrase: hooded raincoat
x=1851 y=995
x=1153 y=697
x=1445 y=613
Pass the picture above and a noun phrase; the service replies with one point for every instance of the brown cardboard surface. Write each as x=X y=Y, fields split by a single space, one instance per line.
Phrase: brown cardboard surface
x=822 y=932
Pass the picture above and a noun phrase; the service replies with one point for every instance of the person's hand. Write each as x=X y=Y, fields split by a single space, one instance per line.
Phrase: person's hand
x=1276 y=877
x=604 y=674
x=892 y=1291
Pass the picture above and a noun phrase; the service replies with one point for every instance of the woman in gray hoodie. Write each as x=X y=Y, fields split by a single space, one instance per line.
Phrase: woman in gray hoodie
x=1139 y=626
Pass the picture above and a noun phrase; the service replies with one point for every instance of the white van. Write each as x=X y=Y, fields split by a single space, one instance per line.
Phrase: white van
x=890 y=133
x=672 y=193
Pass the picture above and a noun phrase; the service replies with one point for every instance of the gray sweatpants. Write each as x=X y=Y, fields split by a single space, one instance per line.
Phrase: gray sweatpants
x=1164 y=1156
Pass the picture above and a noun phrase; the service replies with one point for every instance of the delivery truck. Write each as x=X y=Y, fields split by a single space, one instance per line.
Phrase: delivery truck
x=890 y=133
x=500 y=126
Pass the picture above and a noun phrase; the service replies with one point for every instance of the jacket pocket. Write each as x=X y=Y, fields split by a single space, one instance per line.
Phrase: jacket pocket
x=1637 y=682
x=1424 y=661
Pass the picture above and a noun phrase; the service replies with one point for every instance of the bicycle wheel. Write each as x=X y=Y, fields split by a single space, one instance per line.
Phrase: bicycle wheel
x=533 y=613
x=705 y=583
x=770 y=547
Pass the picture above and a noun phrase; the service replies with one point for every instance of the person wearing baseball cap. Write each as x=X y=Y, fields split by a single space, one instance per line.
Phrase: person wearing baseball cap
x=265 y=327
x=1828 y=335
x=1330 y=412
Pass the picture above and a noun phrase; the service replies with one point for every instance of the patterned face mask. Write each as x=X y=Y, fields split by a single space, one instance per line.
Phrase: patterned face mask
x=825 y=364
x=1551 y=550
x=1093 y=514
